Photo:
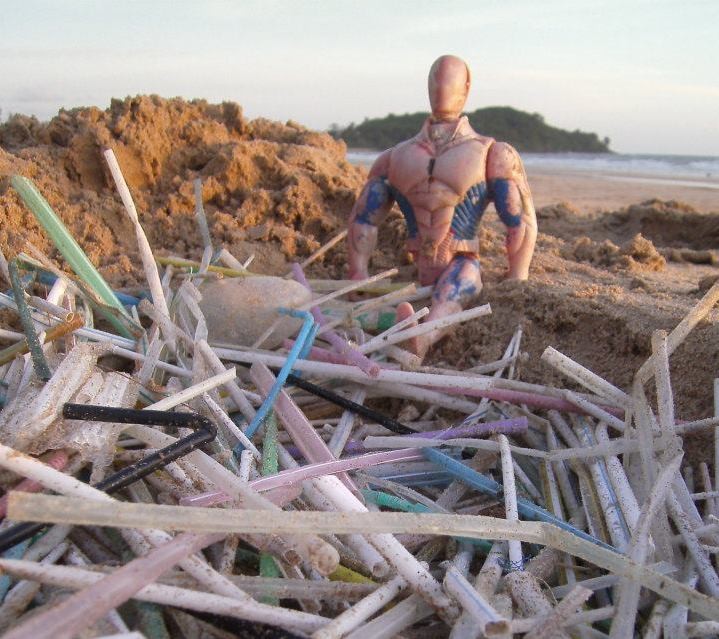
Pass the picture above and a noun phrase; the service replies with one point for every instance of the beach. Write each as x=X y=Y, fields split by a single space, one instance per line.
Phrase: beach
x=607 y=270
x=593 y=193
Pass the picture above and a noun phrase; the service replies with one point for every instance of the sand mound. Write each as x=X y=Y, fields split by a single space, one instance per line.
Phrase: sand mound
x=638 y=254
x=600 y=284
x=269 y=188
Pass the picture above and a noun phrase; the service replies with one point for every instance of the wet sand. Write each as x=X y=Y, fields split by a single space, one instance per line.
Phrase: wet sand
x=593 y=193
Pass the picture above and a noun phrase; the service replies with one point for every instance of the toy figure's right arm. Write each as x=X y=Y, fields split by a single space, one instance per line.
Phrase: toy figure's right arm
x=370 y=209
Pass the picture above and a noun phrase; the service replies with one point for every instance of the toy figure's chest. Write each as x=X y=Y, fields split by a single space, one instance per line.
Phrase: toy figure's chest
x=457 y=166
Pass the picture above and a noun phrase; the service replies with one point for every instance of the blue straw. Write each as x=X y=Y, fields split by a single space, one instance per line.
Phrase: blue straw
x=297 y=348
x=490 y=487
x=126 y=300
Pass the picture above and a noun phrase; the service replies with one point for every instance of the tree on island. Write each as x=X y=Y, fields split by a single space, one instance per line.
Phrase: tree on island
x=525 y=131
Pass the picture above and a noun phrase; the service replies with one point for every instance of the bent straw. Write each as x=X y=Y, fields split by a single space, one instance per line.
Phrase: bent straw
x=57 y=509
x=64 y=241
x=148 y=260
x=305 y=334
x=493 y=489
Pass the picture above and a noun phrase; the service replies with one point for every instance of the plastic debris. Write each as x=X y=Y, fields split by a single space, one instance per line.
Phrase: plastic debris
x=258 y=472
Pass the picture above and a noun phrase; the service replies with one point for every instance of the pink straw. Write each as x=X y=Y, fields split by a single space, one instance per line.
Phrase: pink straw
x=301 y=473
x=58 y=460
x=84 y=608
x=300 y=430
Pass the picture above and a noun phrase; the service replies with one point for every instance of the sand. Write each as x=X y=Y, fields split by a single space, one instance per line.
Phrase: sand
x=592 y=193
x=614 y=261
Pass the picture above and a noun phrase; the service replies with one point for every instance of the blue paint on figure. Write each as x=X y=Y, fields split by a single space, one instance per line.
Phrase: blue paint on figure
x=468 y=213
x=456 y=282
x=378 y=195
x=500 y=194
x=407 y=210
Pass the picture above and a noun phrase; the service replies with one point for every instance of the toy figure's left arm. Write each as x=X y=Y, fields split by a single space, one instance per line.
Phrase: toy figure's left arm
x=509 y=189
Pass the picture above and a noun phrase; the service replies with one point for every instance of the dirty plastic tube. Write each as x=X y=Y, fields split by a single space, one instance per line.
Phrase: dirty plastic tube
x=24 y=506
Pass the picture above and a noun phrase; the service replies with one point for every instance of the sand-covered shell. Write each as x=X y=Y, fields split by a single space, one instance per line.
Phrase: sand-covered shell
x=239 y=310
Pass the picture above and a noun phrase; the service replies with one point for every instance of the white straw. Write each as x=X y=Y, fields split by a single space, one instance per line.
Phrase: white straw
x=148 y=259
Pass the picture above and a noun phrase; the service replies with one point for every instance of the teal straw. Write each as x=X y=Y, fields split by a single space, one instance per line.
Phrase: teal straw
x=39 y=363
x=16 y=552
x=398 y=503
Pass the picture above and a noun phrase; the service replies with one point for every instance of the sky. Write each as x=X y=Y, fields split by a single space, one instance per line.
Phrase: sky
x=644 y=73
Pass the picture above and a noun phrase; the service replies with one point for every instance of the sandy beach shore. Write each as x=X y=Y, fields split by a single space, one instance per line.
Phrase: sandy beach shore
x=592 y=193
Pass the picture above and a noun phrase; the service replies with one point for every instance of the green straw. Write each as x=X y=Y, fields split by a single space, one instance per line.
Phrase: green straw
x=270 y=466
x=64 y=241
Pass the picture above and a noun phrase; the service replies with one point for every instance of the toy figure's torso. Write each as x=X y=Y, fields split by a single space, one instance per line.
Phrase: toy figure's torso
x=438 y=179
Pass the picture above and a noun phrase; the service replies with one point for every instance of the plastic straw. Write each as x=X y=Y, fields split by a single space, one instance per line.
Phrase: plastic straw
x=28 y=507
x=362 y=610
x=324 y=248
x=148 y=260
x=200 y=214
x=584 y=376
x=489 y=622
x=272 y=392
x=65 y=576
x=72 y=323
x=64 y=241
x=42 y=370
x=682 y=330
x=510 y=502
x=352 y=356
x=428 y=327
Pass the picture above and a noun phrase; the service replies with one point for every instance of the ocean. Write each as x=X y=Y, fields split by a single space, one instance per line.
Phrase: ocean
x=679 y=170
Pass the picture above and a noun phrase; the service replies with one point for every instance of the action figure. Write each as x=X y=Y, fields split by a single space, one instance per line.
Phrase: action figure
x=442 y=180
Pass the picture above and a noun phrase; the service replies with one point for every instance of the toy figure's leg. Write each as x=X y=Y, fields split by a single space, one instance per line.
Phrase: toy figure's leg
x=459 y=282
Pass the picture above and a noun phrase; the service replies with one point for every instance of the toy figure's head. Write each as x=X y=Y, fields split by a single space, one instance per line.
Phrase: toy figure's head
x=448 y=85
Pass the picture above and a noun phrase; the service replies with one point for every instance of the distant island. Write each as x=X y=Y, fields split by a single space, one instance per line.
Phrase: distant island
x=525 y=131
